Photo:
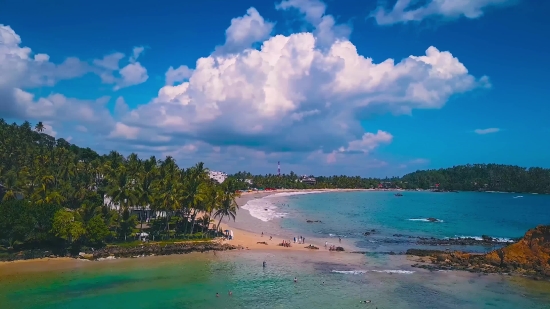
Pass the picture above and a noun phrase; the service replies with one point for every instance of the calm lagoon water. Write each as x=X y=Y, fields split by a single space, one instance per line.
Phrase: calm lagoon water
x=325 y=280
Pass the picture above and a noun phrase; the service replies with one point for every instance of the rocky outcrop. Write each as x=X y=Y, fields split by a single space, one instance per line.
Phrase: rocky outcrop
x=530 y=256
x=160 y=249
x=463 y=241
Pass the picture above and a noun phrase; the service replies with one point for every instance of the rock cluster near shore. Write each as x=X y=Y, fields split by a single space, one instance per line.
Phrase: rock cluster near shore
x=160 y=249
x=125 y=252
x=530 y=256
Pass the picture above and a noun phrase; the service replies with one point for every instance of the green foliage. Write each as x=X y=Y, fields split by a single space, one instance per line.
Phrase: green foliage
x=97 y=231
x=483 y=177
x=66 y=227
x=471 y=177
x=127 y=224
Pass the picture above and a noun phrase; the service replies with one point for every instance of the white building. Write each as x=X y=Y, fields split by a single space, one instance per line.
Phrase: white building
x=144 y=213
x=217 y=176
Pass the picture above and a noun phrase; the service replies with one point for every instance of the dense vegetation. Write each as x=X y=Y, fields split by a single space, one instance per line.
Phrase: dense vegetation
x=483 y=177
x=477 y=177
x=52 y=194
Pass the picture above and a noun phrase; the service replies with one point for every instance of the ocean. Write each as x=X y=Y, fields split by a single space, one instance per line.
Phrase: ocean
x=325 y=280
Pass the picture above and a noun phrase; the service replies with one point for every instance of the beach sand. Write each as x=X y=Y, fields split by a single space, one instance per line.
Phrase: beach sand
x=247 y=230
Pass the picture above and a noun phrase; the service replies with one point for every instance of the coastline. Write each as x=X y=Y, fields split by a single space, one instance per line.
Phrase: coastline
x=248 y=230
x=246 y=235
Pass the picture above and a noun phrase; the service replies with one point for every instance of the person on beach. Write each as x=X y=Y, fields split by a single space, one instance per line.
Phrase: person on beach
x=262 y=234
x=326 y=243
x=294 y=239
x=340 y=239
x=270 y=237
x=264 y=264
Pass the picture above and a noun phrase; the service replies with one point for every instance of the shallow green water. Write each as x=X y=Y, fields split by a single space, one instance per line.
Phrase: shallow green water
x=192 y=281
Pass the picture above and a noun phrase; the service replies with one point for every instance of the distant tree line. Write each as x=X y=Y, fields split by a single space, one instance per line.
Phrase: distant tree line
x=471 y=177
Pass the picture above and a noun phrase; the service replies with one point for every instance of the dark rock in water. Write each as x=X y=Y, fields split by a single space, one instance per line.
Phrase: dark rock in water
x=433 y=220
x=339 y=249
x=422 y=252
x=367 y=233
x=313 y=221
x=528 y=257
x=486 y=238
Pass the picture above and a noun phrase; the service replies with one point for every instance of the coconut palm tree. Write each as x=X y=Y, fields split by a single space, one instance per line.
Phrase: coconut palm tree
x=39 y=127
x=228 y=204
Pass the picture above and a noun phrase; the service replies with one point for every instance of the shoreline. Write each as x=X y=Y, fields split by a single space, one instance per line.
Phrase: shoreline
x=245 y=238
x=248 y=230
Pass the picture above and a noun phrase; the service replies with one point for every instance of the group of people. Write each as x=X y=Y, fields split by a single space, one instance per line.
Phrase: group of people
x=300 y=240
x=285 y=243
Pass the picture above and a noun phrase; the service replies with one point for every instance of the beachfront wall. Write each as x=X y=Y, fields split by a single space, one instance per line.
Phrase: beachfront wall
x=143 y=213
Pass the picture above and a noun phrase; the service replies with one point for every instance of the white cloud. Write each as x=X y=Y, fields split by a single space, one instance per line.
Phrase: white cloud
x=135 y=53
x=132 y=74
x=110 y=62
x=408 y=10
x=124 y=131
x=177 y=75
x=245 y=31
x=369 y=141
x=257 y=96
x=486 y=131
x=81 y=128
x=20 y=69
x=326 y=30
x=48 y=129
x=121 y=107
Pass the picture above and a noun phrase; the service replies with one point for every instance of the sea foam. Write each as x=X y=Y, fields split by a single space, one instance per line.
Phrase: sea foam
x=499 y=239
x=387 y=271
x=265 y=210
x=426 y=220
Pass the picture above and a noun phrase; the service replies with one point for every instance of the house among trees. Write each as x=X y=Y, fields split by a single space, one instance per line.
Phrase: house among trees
x=220 y=177
x=309 y=180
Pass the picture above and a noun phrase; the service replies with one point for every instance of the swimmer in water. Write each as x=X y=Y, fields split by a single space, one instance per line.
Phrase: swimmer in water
x=217 y=294
x=230 y=293
x=365 y=301
x=264 y=264
x=295 y=280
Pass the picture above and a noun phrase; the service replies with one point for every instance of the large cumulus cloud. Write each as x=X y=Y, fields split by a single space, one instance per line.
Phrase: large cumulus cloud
x=291 y=94
x=258 y=98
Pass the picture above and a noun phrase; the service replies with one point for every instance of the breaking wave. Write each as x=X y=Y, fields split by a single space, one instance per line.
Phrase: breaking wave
x=387 y=271
x=426 y=220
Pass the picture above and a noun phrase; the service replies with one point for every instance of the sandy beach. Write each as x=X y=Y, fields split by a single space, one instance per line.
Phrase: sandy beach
x=247 y=231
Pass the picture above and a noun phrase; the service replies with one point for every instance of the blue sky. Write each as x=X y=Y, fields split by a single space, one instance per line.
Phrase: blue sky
x=309 y=97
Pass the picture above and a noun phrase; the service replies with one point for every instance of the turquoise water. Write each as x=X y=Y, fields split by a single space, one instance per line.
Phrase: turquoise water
x=192 y=282
x=465 y=214
x=325 y=279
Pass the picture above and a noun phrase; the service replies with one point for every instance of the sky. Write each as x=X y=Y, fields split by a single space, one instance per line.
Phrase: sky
x=355 y=87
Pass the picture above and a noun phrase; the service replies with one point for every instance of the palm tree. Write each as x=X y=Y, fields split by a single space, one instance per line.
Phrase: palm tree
x=39 y=127
x=228 y=203
x=146 y=179
x=196 y=193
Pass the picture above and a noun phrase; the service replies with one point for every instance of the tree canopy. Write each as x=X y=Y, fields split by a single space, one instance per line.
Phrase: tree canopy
x=53 y=193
